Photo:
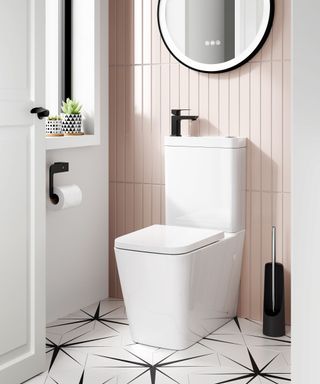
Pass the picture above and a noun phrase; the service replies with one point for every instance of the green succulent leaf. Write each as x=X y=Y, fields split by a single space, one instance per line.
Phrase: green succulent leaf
x=71 y=107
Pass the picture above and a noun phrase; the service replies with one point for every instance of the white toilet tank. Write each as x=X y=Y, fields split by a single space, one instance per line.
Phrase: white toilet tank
x=206 y=182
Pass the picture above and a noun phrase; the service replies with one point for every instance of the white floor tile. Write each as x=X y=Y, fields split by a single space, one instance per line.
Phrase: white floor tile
x=94 y=346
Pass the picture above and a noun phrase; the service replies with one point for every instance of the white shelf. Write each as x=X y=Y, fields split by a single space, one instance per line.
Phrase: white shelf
x=71 y=142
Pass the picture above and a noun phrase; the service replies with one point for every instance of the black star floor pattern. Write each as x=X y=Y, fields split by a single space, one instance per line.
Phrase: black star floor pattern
x=93 y=346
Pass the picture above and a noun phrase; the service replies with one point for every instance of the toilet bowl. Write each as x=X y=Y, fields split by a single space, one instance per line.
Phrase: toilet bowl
x=180 y=281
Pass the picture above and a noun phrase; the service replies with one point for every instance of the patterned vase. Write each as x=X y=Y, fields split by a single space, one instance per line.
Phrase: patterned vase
x=54 y=128
x=72 y=124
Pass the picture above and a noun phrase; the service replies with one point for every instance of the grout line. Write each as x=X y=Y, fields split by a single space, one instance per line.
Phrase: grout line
x=174 y=63
x=162 y=184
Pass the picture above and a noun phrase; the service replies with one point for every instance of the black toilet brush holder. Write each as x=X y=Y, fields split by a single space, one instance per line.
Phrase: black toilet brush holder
x=274 y=310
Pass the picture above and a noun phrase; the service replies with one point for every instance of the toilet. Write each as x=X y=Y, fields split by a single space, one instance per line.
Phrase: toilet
x=180 y=281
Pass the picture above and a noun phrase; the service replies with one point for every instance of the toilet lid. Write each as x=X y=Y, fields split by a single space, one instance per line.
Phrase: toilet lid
x=167 y=239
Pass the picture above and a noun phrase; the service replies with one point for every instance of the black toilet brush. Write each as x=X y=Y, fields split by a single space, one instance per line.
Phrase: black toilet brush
x=274 y=311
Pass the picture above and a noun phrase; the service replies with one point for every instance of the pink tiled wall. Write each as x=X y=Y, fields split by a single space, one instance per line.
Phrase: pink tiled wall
x=252 y=101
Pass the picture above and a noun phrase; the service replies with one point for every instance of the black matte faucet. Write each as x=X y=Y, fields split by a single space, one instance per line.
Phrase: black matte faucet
x=176 y=119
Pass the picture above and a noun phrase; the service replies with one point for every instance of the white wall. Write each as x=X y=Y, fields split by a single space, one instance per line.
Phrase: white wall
x=306 y=191
x=77 y=239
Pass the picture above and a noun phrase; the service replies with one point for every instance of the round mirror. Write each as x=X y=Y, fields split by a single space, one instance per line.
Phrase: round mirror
x=214 y=35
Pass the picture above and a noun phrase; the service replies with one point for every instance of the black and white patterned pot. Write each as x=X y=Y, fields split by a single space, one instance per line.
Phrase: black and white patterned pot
x=53 y=127
x=72 y=123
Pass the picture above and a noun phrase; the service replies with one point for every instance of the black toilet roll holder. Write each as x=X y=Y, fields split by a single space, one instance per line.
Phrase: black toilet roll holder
x=56 y=168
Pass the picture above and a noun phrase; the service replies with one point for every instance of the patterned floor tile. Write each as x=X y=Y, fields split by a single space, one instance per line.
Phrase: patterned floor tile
x=94 y=346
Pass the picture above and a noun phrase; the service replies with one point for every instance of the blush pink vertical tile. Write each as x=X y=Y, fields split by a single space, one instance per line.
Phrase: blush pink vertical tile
x=266 y=126
x=224 y=104
x=256 y=58
x=204 y=104
x=137 y=37
x=277 y=131
x=244 y=300
x=164 y=53
x=234 y=99
x=266 y=228
x=165 y=111
x=155 y=35
x=287 y=126
x=138 y=124
x=287 y=252
x=120 y=224
x=147 y=134
x=120 y=209
x=277 y=221
x=147 y=28
x=245 y=101
x=184 y=86
x=120 y=123
x=245 y=114
x=173 y=60
x=156 y=204
x=120 y=28
x=277 y=31
x=255 y=259
x=147 y=205
x=156 y=125
x=112 y=235
x=129 y=208
x=213 y=105
x=184 y=95
x=129 y=116
x=112 y=123
x=194 y=102
x=255 y=124
x=138 y=206
x=287 y=29
x=174 y=86
x=129 y=32
x=266 y=51
x=163 y=205
x=112 y=33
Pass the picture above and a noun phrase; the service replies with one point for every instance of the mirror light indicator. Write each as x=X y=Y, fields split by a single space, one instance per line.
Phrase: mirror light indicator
x=207 y=43
x=213 y=42
x=218 y=42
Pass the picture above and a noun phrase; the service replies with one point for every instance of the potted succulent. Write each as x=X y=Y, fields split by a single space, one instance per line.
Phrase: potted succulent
x=54 y=126
x=72 y=120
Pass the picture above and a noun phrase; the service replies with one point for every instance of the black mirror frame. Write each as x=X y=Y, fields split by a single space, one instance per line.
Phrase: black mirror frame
x=248 y=58
x=66 y=49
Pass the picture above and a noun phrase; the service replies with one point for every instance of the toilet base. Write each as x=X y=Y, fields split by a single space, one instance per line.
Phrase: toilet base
x=173 y=301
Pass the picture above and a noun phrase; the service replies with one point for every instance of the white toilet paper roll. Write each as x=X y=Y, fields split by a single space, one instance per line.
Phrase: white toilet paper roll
x=69 y=196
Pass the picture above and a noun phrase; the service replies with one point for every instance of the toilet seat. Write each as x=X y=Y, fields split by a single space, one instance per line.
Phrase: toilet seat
x=168 y=240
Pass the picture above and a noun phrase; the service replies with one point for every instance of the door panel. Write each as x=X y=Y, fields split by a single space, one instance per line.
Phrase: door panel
x=22 y=186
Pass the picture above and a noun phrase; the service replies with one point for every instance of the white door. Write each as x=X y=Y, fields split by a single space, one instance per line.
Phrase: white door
x=22 y=190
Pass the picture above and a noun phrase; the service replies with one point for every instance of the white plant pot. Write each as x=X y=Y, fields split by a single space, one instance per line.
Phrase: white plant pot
x=72 y=124
x=54 y=127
